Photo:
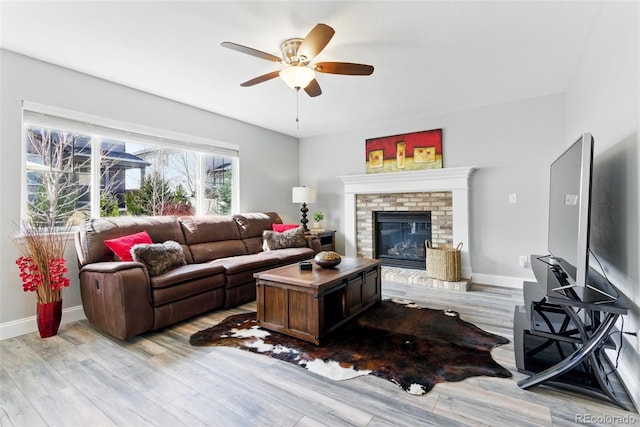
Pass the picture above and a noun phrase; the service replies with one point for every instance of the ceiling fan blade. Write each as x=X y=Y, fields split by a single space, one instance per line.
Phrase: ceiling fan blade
x=313 y=88
x=315 y=41
x=344 y=68
x=261 y=79
x=251 y=51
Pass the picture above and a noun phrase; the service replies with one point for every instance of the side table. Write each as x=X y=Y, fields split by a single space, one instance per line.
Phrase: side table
x=327 y=239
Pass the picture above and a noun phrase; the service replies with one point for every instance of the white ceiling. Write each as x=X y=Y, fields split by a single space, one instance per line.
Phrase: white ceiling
x=429 y=57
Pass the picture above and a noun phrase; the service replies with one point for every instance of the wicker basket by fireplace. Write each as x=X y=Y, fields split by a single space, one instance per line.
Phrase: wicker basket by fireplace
x=443 y=263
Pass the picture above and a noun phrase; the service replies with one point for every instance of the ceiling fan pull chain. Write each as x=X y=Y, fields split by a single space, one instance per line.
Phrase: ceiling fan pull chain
x=297 y=108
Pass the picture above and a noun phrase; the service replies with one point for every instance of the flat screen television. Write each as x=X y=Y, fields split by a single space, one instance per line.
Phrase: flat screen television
x=569 y=211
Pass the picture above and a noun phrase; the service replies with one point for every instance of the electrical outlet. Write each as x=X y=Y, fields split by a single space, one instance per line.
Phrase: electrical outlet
x=513 y=198
x=523 y=260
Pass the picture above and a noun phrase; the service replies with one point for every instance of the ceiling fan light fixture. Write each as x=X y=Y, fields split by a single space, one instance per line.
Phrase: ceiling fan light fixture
x=297 y=56
x=297 y=77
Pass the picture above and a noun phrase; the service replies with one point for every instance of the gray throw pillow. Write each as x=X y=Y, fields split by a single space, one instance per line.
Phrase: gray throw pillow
x=159 y=257
x=294 y=238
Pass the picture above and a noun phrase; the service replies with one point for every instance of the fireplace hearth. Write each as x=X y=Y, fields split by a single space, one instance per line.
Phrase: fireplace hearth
x=400 y=238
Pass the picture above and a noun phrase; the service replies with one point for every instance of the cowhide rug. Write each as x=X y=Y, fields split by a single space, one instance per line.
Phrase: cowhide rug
x=411 y=346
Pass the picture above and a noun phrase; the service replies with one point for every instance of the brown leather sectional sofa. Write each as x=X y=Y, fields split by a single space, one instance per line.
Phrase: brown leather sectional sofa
x=222 y=253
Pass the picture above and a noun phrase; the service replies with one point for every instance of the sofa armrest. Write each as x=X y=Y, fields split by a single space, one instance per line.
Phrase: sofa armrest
x=112 y=267
x=116 y=297
x=313 y=242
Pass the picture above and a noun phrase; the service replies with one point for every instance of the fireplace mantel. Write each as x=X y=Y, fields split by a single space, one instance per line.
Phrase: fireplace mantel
x=455 y=180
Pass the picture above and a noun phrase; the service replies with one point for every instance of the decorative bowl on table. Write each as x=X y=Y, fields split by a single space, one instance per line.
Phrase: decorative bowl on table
x=327 y=259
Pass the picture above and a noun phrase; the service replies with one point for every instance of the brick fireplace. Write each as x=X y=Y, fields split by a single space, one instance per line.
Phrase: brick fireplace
x=443 y=192
x=370 y=206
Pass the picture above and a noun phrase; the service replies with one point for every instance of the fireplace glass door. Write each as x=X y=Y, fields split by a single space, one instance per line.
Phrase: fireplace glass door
x=400 y=238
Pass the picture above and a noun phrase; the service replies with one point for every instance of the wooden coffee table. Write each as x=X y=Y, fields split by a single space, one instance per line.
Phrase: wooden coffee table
x=309 y=304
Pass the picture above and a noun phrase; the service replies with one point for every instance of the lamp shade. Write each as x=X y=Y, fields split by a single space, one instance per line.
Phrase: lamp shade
x=303 y=195
x=297 y=76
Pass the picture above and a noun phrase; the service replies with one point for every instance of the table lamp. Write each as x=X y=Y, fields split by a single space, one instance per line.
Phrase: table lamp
x=303 y=195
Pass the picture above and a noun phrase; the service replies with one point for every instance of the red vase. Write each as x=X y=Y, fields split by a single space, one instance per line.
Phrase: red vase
x=48 y=316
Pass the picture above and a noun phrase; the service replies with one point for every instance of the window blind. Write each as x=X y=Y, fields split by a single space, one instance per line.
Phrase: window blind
x=34 y=114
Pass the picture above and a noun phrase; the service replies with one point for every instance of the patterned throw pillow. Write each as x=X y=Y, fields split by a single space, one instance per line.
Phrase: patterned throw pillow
x=159 y=257
x=294 y=238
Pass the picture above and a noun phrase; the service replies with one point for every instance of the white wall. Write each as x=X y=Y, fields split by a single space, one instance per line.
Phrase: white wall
x=604 y=99
x=513 y=145
x=265 y=179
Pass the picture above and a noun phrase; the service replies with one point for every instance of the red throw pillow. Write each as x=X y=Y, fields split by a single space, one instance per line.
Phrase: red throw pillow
x=122 y=245
x=283 y=227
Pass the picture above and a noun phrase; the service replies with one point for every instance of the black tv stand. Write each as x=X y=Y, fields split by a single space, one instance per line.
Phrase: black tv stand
x=560 y=332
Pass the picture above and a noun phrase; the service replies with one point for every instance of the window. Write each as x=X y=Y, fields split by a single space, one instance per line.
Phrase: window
x=77 y=169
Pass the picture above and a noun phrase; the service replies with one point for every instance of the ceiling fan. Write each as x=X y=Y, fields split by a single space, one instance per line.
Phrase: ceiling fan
x=297 y=54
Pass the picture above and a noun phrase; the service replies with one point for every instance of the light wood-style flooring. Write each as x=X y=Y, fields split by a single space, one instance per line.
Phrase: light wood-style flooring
x=82 y=377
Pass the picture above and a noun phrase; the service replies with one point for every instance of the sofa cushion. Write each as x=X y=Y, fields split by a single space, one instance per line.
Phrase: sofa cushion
x=205 y=252
x=289 y=239
x=159 y=257
x=187 y=273
x=95 y=231
x=251 y=226
x=209 y=228
x=238 y=264
x=289 y=255
x=121 y=246
x=212 y=236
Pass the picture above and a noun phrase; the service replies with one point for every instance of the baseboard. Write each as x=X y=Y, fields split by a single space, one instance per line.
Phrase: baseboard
x=501 y=281
x=27 y=325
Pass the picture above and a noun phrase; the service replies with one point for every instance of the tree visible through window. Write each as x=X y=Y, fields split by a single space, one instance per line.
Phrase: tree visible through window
x=58 y=182
x=134 y=178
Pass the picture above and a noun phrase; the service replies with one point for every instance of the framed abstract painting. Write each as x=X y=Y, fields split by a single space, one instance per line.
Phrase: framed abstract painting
x=405 y=152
